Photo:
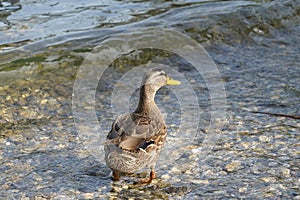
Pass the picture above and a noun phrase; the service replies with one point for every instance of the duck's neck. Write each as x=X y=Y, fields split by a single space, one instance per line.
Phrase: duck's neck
x=146 y=103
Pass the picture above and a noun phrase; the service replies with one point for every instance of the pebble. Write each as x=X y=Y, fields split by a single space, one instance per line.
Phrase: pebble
x=125 y=187
x=61 y=196
x=175 y=171
x=233 y=166
x=176 y=180
x=243 y=189
x=223 y=173
x=263 y=138
x=208 y=173
x=44 y=101
x=286 y=172
x=297 y=197
x=166 y=177
x=269 y=179
x=87 y=196
x=272 y=164
x=116 y=189
x=245 y=145
x=29 y=114
x=18 y=138
x=205 y=182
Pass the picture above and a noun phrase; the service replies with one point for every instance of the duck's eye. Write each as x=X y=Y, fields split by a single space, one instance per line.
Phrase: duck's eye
x=162 y=74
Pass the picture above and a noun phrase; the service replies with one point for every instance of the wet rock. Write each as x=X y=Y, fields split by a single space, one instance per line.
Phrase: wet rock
x=165 y=177
x=269 y=179
x=87 y=196
x=174 y=170
x=205 y=182
x=263 y=138
x=233 y=166
x=285 y=172
x=27 y=113
x=62 y=90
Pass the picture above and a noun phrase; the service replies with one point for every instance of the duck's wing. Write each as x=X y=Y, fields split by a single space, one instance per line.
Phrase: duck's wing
x=132 y=132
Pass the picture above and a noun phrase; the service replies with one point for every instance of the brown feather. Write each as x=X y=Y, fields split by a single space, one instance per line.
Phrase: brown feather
x=135 y=139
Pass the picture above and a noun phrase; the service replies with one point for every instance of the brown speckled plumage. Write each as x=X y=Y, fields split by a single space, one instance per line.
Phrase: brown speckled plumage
x=135 y=139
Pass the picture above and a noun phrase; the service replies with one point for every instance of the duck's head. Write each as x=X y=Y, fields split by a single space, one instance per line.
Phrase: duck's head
x=156 y=78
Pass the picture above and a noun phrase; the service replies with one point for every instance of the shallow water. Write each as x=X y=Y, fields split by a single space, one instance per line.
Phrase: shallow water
x=47 y=153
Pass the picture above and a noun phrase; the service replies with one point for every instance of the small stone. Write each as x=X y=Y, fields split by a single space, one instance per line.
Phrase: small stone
x=297 y=197
x=176 y=180
x=174 y=170
x=269 y=179
x=264 y=138
x=258 y=31
x=273 y=171
x=272 y=164
x=8 y=98
x=23 y=96
x=62 y=90
x=286 y=172
x=242 y=189
x=17 y=138
x=206 y=182
x=275 y=97
x=29 y=114
x=5 y=186
x=166 y=177
x=227 y=146
x=41 y=197
x=246 y=145
x=87 y=195
x=233 y=166
x=125 y=187
x=61 y=196
x=208 y=173
x=196 y=151
x=25 y=198
x=223 y=173
x=44 y=101
x=116 y=189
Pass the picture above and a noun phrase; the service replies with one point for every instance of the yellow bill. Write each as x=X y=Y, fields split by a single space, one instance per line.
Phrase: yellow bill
x=172 y=81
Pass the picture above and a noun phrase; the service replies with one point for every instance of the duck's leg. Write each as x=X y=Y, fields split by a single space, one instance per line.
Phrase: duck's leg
x=152 y=176
x=115 y=175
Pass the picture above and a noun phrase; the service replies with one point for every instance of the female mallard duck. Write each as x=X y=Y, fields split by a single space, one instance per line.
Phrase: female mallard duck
x=136 y=139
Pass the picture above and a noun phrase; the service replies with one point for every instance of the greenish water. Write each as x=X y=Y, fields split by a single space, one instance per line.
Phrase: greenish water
x=255 y=45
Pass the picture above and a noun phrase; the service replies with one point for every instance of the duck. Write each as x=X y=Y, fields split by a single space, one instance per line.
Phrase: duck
x=136 y=139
